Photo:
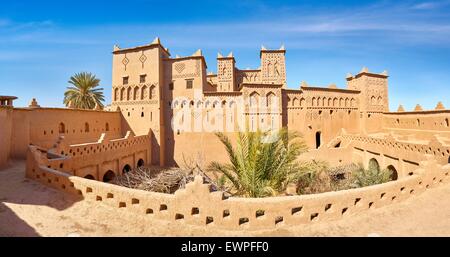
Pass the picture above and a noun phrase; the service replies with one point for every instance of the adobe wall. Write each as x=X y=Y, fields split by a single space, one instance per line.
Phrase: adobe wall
x=94 y=159
x=196 y=205
x=6 y=123
x=420 y=125
x=42 y=127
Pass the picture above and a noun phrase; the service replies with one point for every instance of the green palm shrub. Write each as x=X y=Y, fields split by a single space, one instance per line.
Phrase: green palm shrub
x=262 y=163
x=372 y=176
x=84 y=93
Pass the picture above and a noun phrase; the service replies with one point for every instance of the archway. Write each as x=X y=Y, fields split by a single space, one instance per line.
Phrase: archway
x=89 y=176
x=109 y=175
x=394 y=174
x=373 y=163
x=318 y=139
x=140 y=163
x=126 y=168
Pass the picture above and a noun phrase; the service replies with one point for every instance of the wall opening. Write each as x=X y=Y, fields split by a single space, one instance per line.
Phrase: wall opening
x=447 y=122
x=448 y=159
x=109 y=175
x=373 y=164
x=318 y=139
x=394 y=174
x=126 y=168
x=140 y=163
x=142 y=114
x=86 y=127
x=62 y=128
x=89 y=177
x=107 y=126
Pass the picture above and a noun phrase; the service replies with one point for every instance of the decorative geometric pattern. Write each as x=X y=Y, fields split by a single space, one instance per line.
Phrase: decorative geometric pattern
x=125 y=62
x=142 y=59
x=196 y=73
x=179 y=67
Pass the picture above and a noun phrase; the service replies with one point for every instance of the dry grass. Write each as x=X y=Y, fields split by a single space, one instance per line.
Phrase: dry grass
x=163 y=180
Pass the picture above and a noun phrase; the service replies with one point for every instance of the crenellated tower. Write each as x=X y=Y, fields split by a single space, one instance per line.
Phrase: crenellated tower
x=374 y=90
x=273 y=66
x=226 y=75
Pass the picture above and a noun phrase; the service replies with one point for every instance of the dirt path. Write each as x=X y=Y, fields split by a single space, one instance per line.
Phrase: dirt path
x=28 y=208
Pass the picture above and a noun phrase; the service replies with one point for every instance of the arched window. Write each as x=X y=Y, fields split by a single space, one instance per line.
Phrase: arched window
x=269 y=99
x=318 y=139
x=418 y=122
x=136 y=93
x=122 y=94
x=140 y=163
x=254 y=97
x=86 y=127
x=109 y=175
x=89 y=176
x=302 y=102
x=62 y=128
x=446 y=122
x=373 y=100
x=152 y=92
x=295 y=102
x=143 y=92
x=116 y=94
x=129 y=93
x=126 y=168
x=107 y=126
x=393 y=170
x=313 y=102
x=373 y=164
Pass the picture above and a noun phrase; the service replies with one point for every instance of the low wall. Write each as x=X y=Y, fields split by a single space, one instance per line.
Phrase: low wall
x=97 y=158
x=196 y=205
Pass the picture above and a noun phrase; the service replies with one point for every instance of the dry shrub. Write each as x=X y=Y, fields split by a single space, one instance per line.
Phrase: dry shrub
x=160 y=180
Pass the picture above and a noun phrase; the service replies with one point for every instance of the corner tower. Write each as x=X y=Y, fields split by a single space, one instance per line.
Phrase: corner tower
x=226 y=75
x=374 y=90
x=137 y=79
x=273 y=66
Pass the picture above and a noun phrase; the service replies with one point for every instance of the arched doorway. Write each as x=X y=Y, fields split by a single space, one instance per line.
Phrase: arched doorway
x=318 y=139
x=126 y=168
x=89 y=176
x=373 y=164
x=140 y=163
x=394 y=174
x=109 y=175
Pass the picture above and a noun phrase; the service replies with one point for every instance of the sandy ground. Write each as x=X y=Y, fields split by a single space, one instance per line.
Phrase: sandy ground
x=28 y=208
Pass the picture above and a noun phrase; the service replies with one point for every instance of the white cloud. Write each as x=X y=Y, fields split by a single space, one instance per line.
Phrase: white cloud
x=430 y=5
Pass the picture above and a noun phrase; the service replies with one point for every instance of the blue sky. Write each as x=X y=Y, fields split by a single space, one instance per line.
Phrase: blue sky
x=43 y=43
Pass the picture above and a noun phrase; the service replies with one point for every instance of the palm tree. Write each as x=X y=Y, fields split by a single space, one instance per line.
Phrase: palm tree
x=372 y=176
x=262 y=164
x=84 y=93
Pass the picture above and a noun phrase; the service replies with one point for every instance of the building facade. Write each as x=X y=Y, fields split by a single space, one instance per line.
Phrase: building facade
x=183 y=103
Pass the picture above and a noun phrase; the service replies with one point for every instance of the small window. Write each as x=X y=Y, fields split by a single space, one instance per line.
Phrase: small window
x=189 y=83
x=171 y=86
x=142 y=78
x=125 y=80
